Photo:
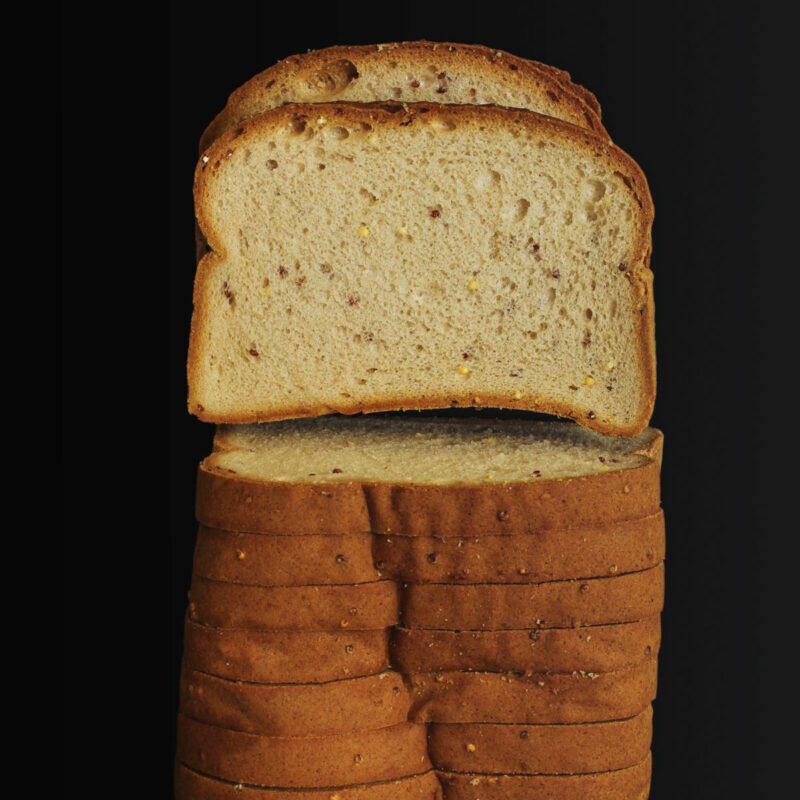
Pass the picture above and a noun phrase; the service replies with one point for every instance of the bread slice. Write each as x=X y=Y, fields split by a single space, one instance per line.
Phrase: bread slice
x=284 y=656
x=631 y=783
x=549 y=555
x=291 y=709
x=424 y=477
x=303 y=762
x=266 y=560
x=412 y=72
x=360 y=607
x=192 y=785
x=556 y=604
x=541 y=749
x=511 y=269
x=599 y=648
x=538 y=698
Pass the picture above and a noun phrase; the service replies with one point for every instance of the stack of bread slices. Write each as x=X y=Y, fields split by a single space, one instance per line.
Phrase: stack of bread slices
x=385 y=606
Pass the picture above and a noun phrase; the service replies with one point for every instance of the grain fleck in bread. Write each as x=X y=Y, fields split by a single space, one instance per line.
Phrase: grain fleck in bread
x=512 y=270
x=424 y=477
x=192 y=785
x=412 y=72
x=303 y=762
x=597 y=648
x=630 y=783
x=541 y=749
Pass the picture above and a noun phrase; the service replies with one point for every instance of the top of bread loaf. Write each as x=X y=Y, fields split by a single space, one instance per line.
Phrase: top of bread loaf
x=441 y=72
x=422 y=451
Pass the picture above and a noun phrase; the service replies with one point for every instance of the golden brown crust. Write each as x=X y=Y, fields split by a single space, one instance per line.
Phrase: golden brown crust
x=365 y=606
x=601 y=648
x=404 y=117
x=548 y=555
x=291 y=709
x=511 y=606
x=284 y=656
x=192 y=785
x=631 y=783
x=226 y=500
x=304 y=762
x=264 y=560
x=262 y=92
x=539 y=698
x=541 y=749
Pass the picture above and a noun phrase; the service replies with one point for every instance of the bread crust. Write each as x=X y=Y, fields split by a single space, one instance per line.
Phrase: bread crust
x=303 y=762
x=541 y=749
x=600 y=648
x=395 y=116
x=293 y=75
x=631 y=783
x=364 y=606
x=540 y=698
x=284 y=656
x=192 y=785
x=548 y=555
x=291 y=709
x=556 y=604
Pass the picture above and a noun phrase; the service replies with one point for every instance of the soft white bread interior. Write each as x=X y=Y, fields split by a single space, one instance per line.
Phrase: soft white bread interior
x=379 y=257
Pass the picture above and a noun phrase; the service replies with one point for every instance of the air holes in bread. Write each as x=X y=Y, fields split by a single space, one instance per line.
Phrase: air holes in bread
x=330 y=80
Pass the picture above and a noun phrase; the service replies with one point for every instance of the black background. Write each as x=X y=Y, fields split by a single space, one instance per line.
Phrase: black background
x=683 y=87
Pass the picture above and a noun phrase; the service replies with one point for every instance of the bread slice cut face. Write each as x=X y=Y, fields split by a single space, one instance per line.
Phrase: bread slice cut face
x=369 y=257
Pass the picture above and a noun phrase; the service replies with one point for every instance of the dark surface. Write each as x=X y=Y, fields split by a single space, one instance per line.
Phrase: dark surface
x=679 y=90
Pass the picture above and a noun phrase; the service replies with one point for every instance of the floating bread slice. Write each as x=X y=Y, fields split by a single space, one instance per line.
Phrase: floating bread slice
x=424 y=477
x=192 y=785
x=601 y=648
x=303 y=762
x=548 y=555
x=412 y=72
x=631 y=783
x=316 y=709
x=285 y=656
x=511 y=606
x=511 y=270
x=541 y=749
x=539 y=698
x=266 y=560
x=364 y=606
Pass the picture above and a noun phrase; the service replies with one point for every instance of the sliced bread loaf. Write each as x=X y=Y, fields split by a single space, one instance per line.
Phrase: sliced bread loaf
x=511 y=270
x=424 y=477
x=192 y=785
x=557 y=604
x=284 y=656
x=599 y=648
x=291 y=709
x=539 y=698
x=430 y=72
x=630 y=783
x=360 y=607
x=541 y=749
x=303 y=762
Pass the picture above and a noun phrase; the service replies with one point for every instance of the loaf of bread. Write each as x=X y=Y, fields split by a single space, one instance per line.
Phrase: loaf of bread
x=541 y=749
x=548 y=555
x=192 y=785
x=424 y=477
x=360 y=607
x=416 y=72
x=292 y=709
x=539 y=698
x=511 y=271
x=600 y=648
x=631 y=783
x=303 y=762
x=284 y=656
x=557 y=604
